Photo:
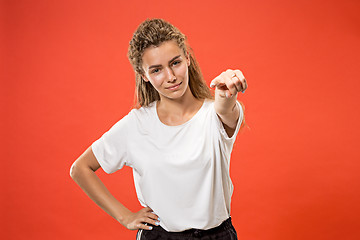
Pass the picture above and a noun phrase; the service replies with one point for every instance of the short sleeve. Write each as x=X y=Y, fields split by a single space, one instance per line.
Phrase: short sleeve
x=110 y=149
x=229 y=141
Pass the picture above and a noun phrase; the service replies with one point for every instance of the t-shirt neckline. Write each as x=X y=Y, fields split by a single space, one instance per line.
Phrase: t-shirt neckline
x=183 y=124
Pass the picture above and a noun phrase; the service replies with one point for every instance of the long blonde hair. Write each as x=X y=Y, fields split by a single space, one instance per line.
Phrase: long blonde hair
x=153 y=32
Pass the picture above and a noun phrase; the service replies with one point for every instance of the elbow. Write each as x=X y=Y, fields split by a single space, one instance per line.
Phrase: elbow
x=74 y=170
x=85 y=163
x=78 y=169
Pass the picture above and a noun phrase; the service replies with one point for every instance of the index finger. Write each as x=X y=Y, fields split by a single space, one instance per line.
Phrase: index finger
x=152 y=215
x=216 y=81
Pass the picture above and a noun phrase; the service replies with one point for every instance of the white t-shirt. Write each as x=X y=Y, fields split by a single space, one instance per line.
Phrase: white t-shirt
x=180 y=172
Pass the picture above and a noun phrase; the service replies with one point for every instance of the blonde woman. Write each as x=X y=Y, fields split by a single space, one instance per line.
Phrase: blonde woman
x=178 y=140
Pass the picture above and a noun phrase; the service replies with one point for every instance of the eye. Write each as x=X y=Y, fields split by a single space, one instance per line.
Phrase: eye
x=175 y=63
x=155 y=70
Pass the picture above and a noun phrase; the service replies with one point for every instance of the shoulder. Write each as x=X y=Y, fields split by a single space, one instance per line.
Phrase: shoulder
x=143 y=112
x=135 y=116
x=208 y=103
x=143 y=118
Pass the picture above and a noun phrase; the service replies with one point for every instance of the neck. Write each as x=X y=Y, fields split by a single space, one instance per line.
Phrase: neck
x=187 y=103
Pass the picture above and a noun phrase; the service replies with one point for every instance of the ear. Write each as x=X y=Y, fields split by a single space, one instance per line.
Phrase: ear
x=188 y=58
x=144 y=77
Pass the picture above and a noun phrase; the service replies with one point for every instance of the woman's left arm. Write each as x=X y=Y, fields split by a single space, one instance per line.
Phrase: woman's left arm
x=227 y=85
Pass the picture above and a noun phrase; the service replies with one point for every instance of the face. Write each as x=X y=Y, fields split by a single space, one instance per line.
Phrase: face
x=166 y=68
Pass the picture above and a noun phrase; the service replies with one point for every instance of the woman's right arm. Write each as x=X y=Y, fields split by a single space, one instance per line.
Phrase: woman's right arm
x=83 y=173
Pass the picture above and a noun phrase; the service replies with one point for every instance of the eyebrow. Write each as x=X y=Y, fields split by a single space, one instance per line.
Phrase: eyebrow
x=159 y=65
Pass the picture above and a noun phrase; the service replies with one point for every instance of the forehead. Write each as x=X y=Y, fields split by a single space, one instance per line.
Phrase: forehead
x=161 y=54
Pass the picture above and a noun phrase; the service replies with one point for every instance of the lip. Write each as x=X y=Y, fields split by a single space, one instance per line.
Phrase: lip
x=174 y=87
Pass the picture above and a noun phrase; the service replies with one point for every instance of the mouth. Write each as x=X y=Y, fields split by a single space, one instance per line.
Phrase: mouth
x=174 y=87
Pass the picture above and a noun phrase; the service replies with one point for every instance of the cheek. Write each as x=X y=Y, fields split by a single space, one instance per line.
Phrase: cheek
x=183 y=70
x=156 y=81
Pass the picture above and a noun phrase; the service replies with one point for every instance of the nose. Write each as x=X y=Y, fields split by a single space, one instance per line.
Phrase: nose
x=170 y=75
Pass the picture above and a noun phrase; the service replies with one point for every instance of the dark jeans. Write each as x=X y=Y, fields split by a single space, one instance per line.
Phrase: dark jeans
x=225 y=231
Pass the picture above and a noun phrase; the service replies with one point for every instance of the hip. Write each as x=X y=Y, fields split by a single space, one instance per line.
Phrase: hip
x=225 y=231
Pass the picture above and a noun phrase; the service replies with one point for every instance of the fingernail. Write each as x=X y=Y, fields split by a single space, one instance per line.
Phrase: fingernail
x=157 y=223
x=243 y=91
x=150 y=228
x=158 y=218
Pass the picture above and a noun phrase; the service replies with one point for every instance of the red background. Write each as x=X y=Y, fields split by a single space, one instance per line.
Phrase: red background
x=66 y=80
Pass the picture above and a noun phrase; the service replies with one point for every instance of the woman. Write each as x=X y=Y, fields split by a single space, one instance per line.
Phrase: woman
x=178 y=142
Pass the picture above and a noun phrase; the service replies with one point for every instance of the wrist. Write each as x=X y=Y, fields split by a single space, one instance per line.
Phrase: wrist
x=123 y=216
